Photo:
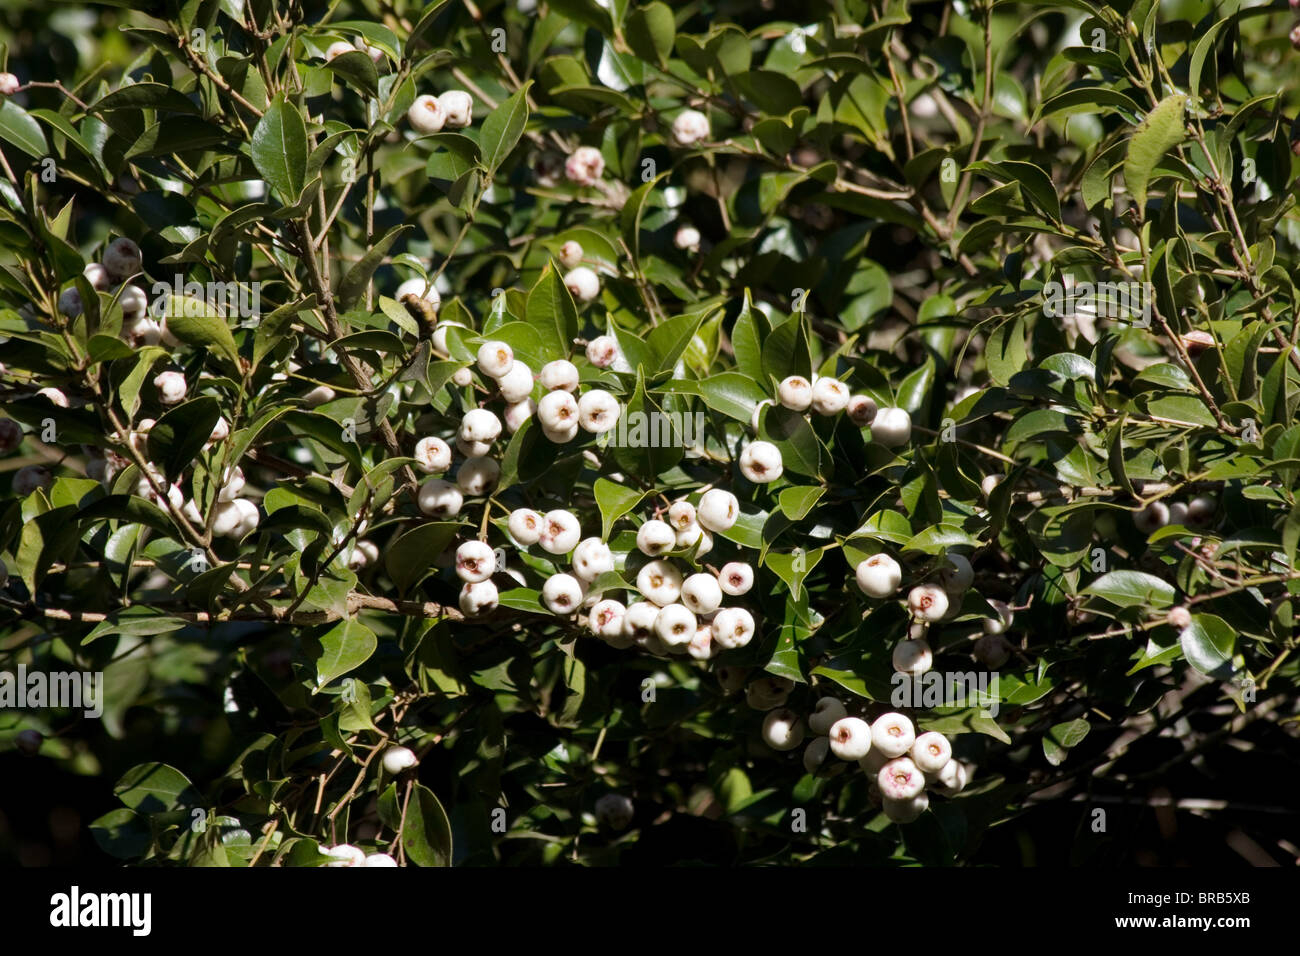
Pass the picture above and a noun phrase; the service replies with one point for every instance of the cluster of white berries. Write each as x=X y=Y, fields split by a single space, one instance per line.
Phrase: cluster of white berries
x=902 y=764
x=345 y=854
x=430 y=114
x=339 y=47
x=1198 y=512
x=582 y=282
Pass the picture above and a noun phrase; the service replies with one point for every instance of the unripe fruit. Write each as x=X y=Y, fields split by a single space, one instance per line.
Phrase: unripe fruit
x=681 y=515
x=891 y=427
x=660 y=582
x=761 y=462
x=517 y=384
x=249 y=518
x=426 y=115
x=639 y=620
x=783 y=729
x=583 y=284
x=1003 y=616
x=1177 y=513
x=363 y=554
x=893 y=735
x=584 y=166
x=900 y=779
x=927 y=602
x=439 y=499
x=687 y=238
x=591 y=559
x=701 y=593
x=558 y=410
x=795 y=393
x=826 y=713
x=861 y=410
x=1201 y=509
x=1179 y=617
x=655 y=537
x=989 y=483
x=97 y=276
x=11 y=435
x=992 y=650
x=931 y=751
x=814 y=755
x=768 y=692
x=134 y=303
x=345 y=854
x=9 y=84
x=958 y=575
x=475 y=561
x=525 y=526
x=379 y=860
x=676 y=625
x=730 y=679
x=479 y=425
x=28 y=479
x=519 y=412
x=879 y=576
x=701 y=647
x=396 y=759
x=478 y=476
x=458 y=107
x=29 y=742
x=735 y=578
x=559 y=374
x=462 y=377
x=495 y=359
x=951 y=778
x=830 y=396
x=606 y=619
x=733 y=627
x=690 y=127
x=560 y=532
x=562 y=593
x=598 y=411
x=850 y=738
x=432 y=455
x=718 y=510
x=480 y=597
x=70 y=303
x=615 y=811
x=602 y=351
x=1151 y=518
x=905 y=811
x=233 y=485
x=912 y=657
x=122 y=259
x=570 y=255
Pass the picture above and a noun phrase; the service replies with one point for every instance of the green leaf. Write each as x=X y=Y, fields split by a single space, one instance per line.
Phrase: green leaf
x=411 y=557
x=345 y=647
x=354 y=284
x=796 y=502
x=279 y=150
x=1061 y=737
x=503 y=128
x=1209 y=644
x=614 y=501
x=155 y=788
x=650 y=31
x=176 y=439
x=357 y=70
x=427 y=834
x=1007 y=353
x=1162 y=129
x=195 y=322
x=550 y=310
x=21 y=130
x=1132 y=589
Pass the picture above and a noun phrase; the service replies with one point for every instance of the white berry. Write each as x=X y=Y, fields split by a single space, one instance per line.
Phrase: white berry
x=701 y=593
x=795 y=393
x=426 y=115
x=591 y=559
x=517 y=384
x=562 y=593
x=655 y=537
x=560 y=532
x=927 y=602
x=525 y=526
x=583 y=284
x=458 y=107
x=560 y=374
x=893 y=735
x=598 y=411
x=783 y=729
x=675 y=625
x=602 y=351
x=495 y=358
x=761 y=462
x=891 y=427
x=478 y=598
x=912 y=657
x=826 y=713
x=122 y=259
x=958 y=575
x=733 y=627
x=900 y=779
x=584 y=166
x=475 y=561
x=397 y=759
x=660 y=582
x=861 y=410
x=829 y=396
x=440 y=499
x=687 y=238
x=931 y=751
x=735 y=578
x=478 y=476
x=432 y=455
x=718 y=510
x=690 y=127
x=879 y=576
x=606 y=619
x=570 y=254
x=850 y=738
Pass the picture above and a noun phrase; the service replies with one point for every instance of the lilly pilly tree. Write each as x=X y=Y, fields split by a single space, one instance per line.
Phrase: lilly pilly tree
x=634 y=432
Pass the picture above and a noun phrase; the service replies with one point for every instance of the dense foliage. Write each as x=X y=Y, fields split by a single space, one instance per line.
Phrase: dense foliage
x=1060 y=237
